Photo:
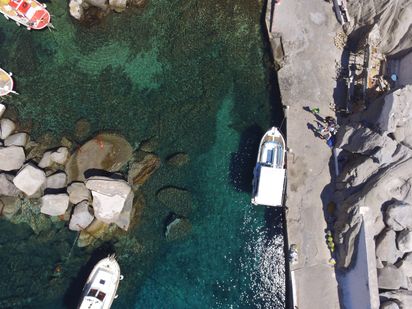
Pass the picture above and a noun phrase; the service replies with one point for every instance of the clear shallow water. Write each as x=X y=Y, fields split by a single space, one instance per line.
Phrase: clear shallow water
x=194 y=75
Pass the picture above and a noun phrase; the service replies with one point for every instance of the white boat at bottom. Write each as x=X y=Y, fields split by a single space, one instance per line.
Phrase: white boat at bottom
x=270 y=173
x=101 y=286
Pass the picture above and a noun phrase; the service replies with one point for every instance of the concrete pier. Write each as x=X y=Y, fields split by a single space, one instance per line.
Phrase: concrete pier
x=302 y=38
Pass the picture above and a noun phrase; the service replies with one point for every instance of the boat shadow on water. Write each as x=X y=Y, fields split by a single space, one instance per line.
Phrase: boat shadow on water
x=243 y=161
x=74 y=292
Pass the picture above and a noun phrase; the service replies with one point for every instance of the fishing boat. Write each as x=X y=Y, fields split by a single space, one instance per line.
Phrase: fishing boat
x=101 y=286
x=6 y=83
x=29 y=13
x=269 y=174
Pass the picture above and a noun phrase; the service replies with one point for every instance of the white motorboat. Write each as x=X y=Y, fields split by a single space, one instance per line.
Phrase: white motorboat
x=101 y=286
x=270 y=173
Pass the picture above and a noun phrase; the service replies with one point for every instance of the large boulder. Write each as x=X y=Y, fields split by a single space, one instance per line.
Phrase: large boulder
x=7 y=187
x=17 y=139
x=178 y=159
x=107 y=152
x=60 y=156
x=398 y=216
x=78 y=192
x=402 y=297
x=404 y=241
x=389 y=305
x=76 y=8
x=391 y=278
x=110 y=198
x=405 y=265
x=29 y=179
x=11 y=158
x=177 y=229
x=82 y=217
x=140 y=171
x=54 y=204
x=7 y=127
x=56 y=181
x=386 y=250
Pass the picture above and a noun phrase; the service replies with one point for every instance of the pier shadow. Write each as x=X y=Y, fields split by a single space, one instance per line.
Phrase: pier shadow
x=243 y=161
x=72 y=296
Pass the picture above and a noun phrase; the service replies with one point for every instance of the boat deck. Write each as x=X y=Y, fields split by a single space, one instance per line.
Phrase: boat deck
x=26 y=12
x=6 y=83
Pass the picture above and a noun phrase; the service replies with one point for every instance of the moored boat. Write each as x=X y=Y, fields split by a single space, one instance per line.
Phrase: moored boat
x=101 y=286
x=6 y=83
x=29 y=13
x=269 y=174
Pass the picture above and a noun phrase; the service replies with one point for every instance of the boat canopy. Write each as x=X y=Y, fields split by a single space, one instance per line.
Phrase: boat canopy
x=270 y=186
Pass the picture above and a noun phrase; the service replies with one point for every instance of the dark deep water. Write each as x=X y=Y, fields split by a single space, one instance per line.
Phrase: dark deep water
x=196 y=76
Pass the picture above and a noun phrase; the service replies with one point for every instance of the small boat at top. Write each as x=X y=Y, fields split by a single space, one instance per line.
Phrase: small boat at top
x=269 y=174
x=6 y=83
x=101 y=286
x=29 y=13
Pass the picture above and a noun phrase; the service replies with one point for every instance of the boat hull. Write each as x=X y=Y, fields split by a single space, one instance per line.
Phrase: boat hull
x=6 y=83
x=29 y=13
x=269 y=179
x=101 y=286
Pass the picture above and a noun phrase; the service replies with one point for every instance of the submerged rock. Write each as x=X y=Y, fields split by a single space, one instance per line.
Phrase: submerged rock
x=97 y=230
x=7 y=187
x=29 y=179
x=82 y=217
x=112 y=200
x=54 y=204
x=11 y=158
x=107 y=152
x=9 y=206
x=82 y=128
x=176 y=199
x=78 y=192
x=178 y=159
x=177 y=229
x=149 y=145
x=140 y=171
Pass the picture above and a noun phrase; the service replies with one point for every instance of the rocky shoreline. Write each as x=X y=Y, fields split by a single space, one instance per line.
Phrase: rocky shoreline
x=89 y=187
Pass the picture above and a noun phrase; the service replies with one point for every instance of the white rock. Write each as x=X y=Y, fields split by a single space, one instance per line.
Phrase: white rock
x=29 y=179
x=7 y=187
x=60 y=155
x=54 y=204
x=17 y=139
x=123 y=220
x=118 y=5
x=398 y=216
x=11 y=158
x=2 y=109
x=98 y=3
x=386 y=249
x=56 y=180
x=7 y=127
x=404 y=241
x=78 y=192
x=82 y=217
x=45 y=160
x=406 y=265
x=76 y=9
x=110 y=197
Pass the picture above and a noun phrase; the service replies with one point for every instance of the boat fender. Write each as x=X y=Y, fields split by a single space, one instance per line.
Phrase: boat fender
x=17 y=23
x=121 y=277
x=116 y=296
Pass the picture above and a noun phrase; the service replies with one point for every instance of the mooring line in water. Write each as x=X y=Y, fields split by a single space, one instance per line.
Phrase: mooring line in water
x=71 y=249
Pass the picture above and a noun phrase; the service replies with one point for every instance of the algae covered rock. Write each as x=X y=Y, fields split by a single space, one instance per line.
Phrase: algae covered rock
x=97 y=230
x=178 y=159
x=140 y=171
x=109 y=152
x=29 y=213
x=178 y=228
x=176 y=199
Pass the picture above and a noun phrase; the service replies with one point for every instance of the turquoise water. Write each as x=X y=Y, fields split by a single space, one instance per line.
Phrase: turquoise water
x=195 y=76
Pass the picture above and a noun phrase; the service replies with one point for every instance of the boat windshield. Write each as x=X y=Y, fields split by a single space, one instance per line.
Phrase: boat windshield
x=272 y=154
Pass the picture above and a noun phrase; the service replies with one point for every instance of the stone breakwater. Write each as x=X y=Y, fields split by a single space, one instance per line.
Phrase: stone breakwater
x=92 y=186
